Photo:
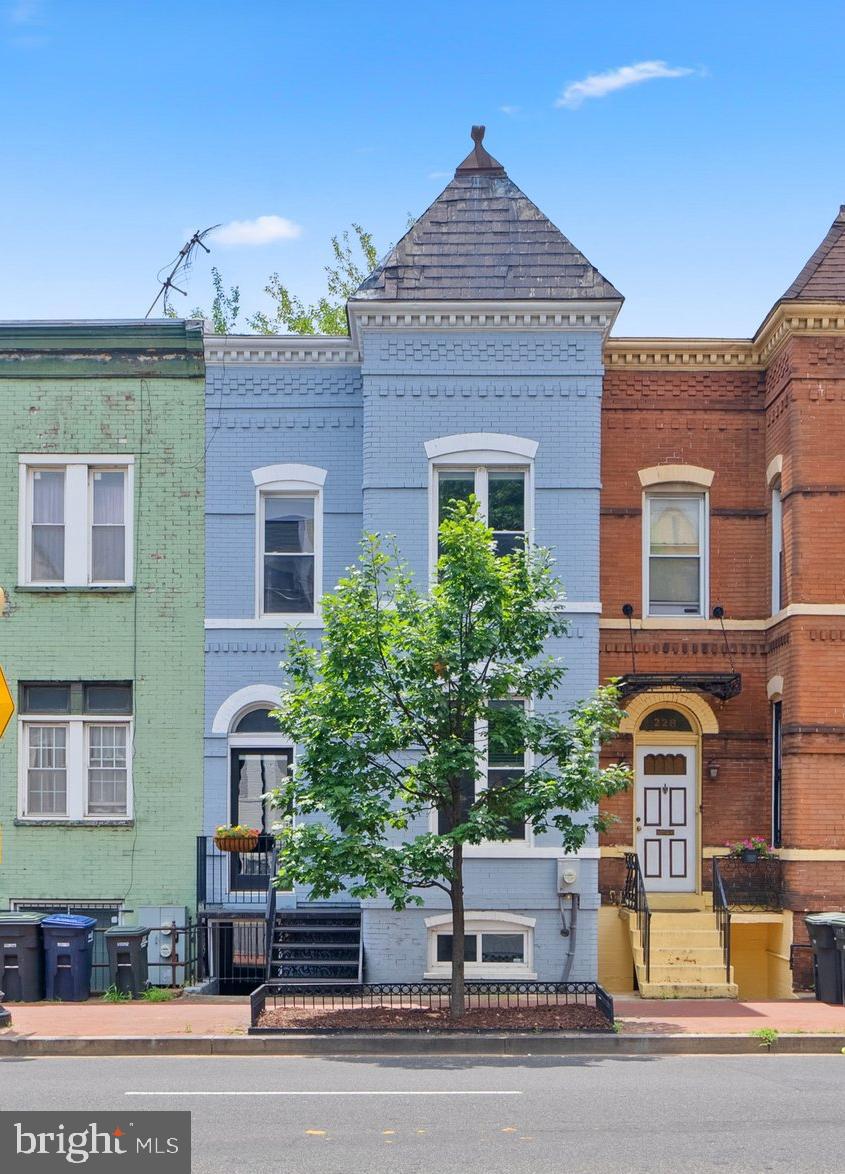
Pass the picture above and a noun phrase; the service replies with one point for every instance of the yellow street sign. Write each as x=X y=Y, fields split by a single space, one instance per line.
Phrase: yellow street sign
x=7 y=705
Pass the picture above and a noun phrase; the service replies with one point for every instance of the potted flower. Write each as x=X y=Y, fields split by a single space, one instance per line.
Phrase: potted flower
x=750 y=850
x=236 y=837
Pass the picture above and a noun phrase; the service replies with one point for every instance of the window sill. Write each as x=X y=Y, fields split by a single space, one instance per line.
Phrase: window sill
x=496 y=973
x=85 y=588
x=279 y=622
x=28 y=821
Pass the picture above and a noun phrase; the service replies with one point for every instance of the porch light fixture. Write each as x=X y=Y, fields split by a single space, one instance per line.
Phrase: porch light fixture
x=713 y=769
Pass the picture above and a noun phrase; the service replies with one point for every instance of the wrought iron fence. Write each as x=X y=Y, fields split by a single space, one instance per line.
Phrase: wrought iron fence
x=751 y=885
x=234 y=878
x=428 y=996
x=634 y=897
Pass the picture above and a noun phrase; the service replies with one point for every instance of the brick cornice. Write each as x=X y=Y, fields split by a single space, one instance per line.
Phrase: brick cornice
x=803 y=318
x=287 y=350
x=784 y=321
x=681 y=353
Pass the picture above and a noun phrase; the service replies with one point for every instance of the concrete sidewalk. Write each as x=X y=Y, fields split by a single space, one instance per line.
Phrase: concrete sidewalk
x=185 y=1017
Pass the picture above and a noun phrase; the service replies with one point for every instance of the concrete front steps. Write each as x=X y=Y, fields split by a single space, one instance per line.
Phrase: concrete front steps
x=687 y=961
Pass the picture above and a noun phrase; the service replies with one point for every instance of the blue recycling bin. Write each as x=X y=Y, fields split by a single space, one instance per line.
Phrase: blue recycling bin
x=68 y=952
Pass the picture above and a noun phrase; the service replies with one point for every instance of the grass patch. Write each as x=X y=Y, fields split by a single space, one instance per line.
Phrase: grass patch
x=157 y=994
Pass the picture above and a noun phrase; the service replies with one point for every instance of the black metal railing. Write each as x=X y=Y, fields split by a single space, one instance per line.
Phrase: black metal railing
x=429 y=996
x=723 y=915
x=233 y=878
x=634 y=897
x=752 y=885
x=270 y=919
x=174 y=956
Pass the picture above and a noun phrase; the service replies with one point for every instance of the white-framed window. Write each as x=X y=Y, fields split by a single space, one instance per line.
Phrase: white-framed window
x=502 y=765
x=75 y=750
x=675 y=554
x=289 y=540
x=496 y=945
x=498 y=470
x=75 y=520
x=778 y=567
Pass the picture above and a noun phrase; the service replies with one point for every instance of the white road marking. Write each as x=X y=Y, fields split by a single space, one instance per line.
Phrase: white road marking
x=299 y=1092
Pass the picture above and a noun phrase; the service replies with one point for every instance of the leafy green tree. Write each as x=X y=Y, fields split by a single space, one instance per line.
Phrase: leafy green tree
x=328 y=314
x=387 y=712
x=226 y=307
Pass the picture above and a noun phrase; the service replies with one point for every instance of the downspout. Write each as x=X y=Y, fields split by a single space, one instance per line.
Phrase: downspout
x=569 y=931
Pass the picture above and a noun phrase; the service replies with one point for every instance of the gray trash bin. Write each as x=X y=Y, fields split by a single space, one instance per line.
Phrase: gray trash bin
x=21 y=957
x=827 y=964
x=127 y=949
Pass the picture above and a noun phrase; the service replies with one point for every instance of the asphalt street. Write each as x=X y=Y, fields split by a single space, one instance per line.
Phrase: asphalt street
x=525 y=1115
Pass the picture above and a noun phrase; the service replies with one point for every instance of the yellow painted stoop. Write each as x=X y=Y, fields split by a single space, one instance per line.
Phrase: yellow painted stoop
x=686 y=956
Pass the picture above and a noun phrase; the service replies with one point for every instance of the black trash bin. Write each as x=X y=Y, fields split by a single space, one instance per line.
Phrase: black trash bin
x=21 y=957
x=827 y=968
x=127 y=949
x=68 y=949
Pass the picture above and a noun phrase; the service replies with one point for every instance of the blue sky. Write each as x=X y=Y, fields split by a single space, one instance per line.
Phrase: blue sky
x=699 y=188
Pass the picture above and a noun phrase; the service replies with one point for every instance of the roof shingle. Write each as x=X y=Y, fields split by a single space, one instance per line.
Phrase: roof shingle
x=823 y=277
x=482 y=238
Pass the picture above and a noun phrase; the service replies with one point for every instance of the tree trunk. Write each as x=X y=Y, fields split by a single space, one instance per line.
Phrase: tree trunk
x=456 y=1001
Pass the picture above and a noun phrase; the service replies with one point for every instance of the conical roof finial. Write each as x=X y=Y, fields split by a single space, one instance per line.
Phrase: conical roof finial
x=479 y=161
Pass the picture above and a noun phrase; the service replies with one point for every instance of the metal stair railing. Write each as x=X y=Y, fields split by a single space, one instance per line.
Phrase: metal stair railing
x=270 y=916
x=634 y=897
x=723 y=916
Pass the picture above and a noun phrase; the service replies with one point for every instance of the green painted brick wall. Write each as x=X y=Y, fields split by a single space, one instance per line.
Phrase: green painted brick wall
x=58 y=395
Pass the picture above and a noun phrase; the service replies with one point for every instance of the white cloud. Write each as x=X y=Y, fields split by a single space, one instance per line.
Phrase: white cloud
x=439 y=174
x=597 y=85
x=510 y=110
x=263 y=230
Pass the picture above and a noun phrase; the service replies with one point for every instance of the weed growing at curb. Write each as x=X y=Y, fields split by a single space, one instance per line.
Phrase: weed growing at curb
x=768 y=1037
x=113 y=995
x=157 y=994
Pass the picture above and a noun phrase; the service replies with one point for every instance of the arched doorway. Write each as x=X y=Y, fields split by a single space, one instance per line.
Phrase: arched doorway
x=260 y=758
x=667 y=764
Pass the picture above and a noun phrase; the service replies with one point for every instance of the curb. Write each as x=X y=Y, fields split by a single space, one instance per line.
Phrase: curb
x=358 y=1044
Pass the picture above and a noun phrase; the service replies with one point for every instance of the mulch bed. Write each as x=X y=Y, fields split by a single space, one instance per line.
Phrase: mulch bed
x=563 y=1018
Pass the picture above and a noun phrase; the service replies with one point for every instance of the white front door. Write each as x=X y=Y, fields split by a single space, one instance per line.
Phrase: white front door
x=666 y=817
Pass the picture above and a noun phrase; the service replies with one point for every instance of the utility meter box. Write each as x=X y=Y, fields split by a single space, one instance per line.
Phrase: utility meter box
x=166 y=951
x=568 y=874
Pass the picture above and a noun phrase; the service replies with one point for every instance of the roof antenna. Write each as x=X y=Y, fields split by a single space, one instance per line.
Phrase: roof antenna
x=180 y=268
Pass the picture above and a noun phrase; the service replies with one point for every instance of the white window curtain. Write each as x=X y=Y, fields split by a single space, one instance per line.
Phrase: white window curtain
x=48 y=530
x=108 y=531
x=107 y=765
x=47 y=770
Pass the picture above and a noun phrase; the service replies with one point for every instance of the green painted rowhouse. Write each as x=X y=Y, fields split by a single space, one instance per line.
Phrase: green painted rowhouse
x=101 y=627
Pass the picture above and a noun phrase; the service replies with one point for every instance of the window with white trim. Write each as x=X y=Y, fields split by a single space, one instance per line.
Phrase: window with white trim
x=496 y=468
x=76 y=521
x=502 y=496
x=778 y=568
x=503 y=765
x=675 y=553
x=289 y=513
x=76 y=741
x=496 y=945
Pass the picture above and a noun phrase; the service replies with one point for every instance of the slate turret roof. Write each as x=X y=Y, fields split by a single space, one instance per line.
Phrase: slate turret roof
x=482 y=240
x=823 y=277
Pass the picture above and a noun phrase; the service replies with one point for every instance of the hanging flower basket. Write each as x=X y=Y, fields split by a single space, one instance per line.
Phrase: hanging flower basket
x=236 y=838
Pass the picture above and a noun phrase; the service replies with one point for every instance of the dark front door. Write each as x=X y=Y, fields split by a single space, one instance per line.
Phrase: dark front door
x=254 y=773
